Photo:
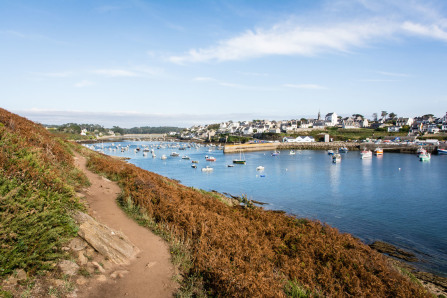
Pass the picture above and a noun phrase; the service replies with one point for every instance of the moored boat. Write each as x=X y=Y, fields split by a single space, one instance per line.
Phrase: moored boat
x=185 y=157
x=194 y=166
x=336 y=158
x=260 y=168
x=163 y=157
x=343 y=150
x=210 y=158
x=442 y=151
x=378 y=151
x=365 y=154
x=330 y=152
x=207 y=169
x=241 y=160
x=275 y=153
x=175 y=154
x=292 y=152
x=424 y=156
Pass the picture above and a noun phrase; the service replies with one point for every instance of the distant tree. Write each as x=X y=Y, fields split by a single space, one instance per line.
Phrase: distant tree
x=303 y=120
x=214 y=126
x=392 y=115
x=383 y=114
x=117 y=129
x=357 y=115
x=374 y=116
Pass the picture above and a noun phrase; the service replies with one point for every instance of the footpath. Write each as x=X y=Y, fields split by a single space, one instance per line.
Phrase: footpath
x=150 y=273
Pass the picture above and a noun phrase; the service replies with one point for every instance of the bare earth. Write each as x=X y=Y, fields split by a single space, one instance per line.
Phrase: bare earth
x=150 y=274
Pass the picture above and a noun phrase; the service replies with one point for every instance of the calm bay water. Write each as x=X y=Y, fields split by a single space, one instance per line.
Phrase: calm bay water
x=394 y=198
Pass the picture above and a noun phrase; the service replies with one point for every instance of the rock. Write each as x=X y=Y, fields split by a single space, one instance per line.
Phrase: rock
x=77 y=244
x=101 y=278
x=393 y=251
x=68 y=267
x=21 y=274
x=98 y=266
x=119 y=273
x=82 y=258
x=113 y=245
x=81 y=281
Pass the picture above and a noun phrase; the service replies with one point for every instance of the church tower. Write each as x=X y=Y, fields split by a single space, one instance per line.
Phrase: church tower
x=319 y=116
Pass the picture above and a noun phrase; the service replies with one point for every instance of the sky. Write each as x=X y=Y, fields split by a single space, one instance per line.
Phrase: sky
x=154 y=63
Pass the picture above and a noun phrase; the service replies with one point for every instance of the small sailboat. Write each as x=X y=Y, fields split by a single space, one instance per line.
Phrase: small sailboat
x=163 y=157
x=240 y=160
x=292 y=152
x=230 y=166
x=330 y=152
x=378 y=151
x=211 y=158
x=194 y=166
x=260 y=168
x=174 y=154
x=185 y=157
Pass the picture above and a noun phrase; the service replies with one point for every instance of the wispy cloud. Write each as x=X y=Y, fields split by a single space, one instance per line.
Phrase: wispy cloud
x=305 y=86
x=432 y=31
x=393 y=74
x=374 y=22
x=231 y=85
x=83 y=84
x=115 y=73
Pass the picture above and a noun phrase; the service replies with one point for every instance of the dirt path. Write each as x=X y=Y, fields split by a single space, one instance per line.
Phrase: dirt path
x=150 y=274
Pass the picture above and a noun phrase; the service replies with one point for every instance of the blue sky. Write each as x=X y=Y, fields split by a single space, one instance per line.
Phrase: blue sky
x=134 y=63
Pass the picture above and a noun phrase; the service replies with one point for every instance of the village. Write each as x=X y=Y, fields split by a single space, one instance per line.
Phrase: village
x=420 y=125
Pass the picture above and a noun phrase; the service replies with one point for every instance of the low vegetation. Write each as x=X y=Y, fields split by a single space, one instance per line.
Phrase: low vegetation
x=37 y=192
x=242 y=251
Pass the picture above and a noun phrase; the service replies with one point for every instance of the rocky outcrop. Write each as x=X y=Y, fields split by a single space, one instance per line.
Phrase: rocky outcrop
x=113 y=245
x=393 y=251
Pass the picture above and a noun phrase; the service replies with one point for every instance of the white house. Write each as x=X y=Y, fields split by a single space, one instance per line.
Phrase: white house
x=404 y=121
x=349 y=123
x=84 y=132
x=331 y=119
x=248 y=130
x=300 y=139
x=393 y=128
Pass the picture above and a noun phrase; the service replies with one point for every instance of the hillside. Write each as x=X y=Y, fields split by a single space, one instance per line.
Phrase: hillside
x=230 y=249
x=37 y=190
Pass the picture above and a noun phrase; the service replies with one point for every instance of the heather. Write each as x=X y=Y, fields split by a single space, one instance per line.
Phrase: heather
x=246 y=251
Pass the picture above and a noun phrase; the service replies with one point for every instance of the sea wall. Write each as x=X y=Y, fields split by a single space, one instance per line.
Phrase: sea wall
x=283 y=146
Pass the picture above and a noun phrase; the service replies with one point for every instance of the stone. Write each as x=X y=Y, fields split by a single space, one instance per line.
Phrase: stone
x=77 y=244
x=98 y=266
x=21 y=274
x=82 y=258
x=393 y=251
x=113 y=245
x=81 y=281
x=68 y=267
x=101 y=278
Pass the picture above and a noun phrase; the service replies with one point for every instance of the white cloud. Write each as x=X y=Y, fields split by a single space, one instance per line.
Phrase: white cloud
x=393 y=74
x=305 y=86
x=433 y=31
x=289 y=39
x=84 y=83
x=115 y=73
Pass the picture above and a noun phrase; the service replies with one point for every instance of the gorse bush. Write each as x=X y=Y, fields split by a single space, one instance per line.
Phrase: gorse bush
x=251 y=252
x=37 y=193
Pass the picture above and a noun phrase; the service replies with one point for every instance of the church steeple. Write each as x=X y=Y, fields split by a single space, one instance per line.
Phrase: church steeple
x=319 y=116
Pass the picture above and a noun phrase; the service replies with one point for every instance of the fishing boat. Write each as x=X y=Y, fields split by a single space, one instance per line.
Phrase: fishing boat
x=442 y=151
x=292 y=152
x=260 y=168
x=421 y=151
x=210 y=158
x=275 y=153
x=240 y=160
x=365 y=154
x=330 y=152
x=230 y=166
x=185 y=157
x=424 y=156
x=343 y=150
x=378 y=151
x=194 y=166
x=336 y=158
x=207 y=169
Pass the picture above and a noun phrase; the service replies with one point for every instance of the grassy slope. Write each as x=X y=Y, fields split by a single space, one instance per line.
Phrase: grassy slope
x=37 y=192
x=241 y=251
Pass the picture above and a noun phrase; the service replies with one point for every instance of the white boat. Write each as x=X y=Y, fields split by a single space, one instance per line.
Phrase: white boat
x=153 y=155
x=343 y=150
x=378 y=151
x=366 y=154
x=424 y=156
x=330 y=152
x=260 y=168
x=275 y=153
x=442 y=151
x=194 y=166
x=336 y=158
x=292 y=152
x=210 y=158
x=174 y=154
x=207 y=169
x=230 y=166
x=144 y=154
x=185 y=157
x=163 y=157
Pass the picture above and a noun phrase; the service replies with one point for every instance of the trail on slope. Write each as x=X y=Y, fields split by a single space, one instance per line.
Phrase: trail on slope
x=150 y=274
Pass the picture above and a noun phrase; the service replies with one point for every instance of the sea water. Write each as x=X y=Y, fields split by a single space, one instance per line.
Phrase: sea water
x=393 y=198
